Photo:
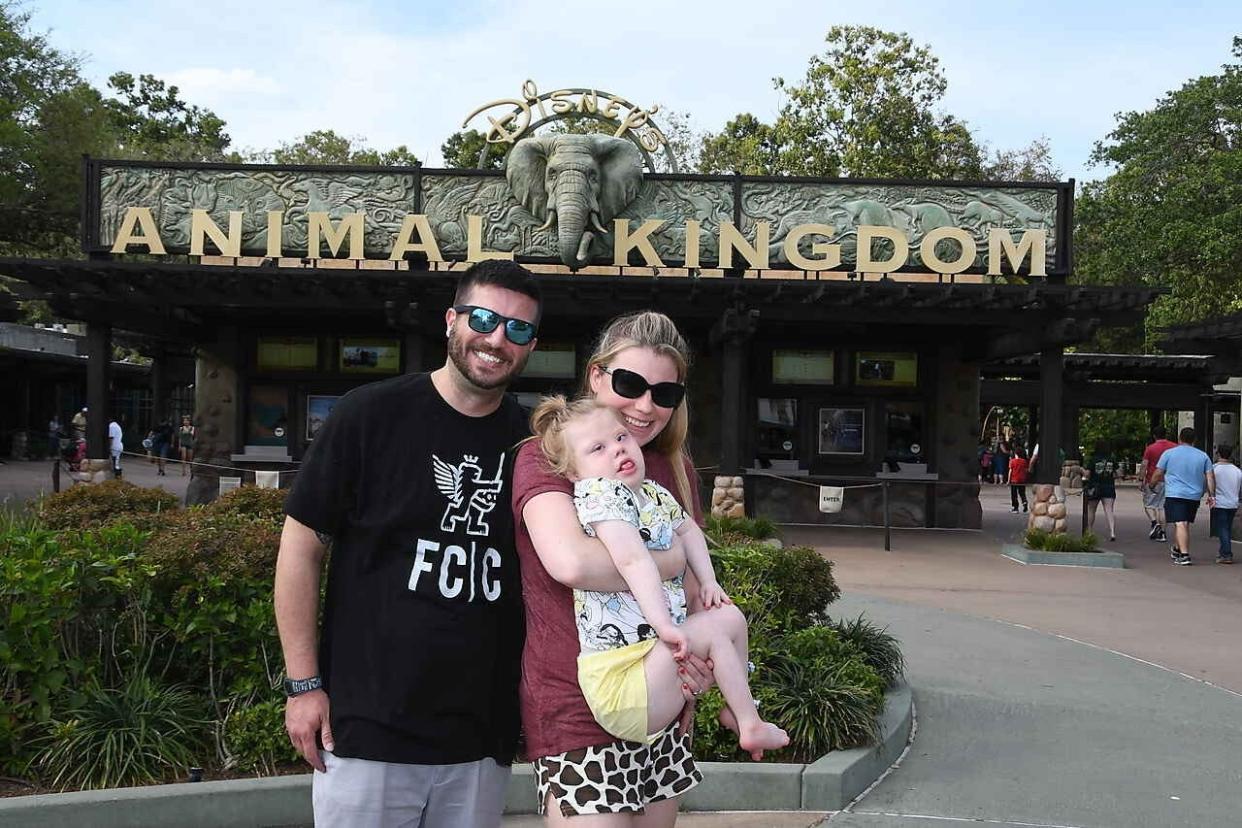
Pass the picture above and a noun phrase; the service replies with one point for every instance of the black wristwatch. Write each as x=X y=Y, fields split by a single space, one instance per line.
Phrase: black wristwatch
x=296 y=687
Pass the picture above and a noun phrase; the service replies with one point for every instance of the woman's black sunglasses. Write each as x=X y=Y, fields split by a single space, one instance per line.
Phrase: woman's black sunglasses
x=485 y=320
x=632 y=386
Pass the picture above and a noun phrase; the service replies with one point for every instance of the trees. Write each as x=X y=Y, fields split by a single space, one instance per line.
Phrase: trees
x=866 y=107
x=325 y=146
x=1171 y=212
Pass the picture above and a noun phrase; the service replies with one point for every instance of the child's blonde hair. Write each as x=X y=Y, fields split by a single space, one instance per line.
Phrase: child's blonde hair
x=548 y=422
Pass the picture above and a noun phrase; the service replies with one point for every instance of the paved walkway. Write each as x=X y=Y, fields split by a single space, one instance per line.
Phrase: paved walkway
x=1047 y=696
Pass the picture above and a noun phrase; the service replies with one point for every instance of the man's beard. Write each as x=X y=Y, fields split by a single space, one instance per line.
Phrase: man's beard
x=459 y=353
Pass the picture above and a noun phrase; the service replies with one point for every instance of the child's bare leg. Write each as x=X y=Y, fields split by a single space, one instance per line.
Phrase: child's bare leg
x=718 y=634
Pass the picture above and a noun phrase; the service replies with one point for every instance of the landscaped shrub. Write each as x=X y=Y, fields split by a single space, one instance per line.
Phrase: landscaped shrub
x=879 y=649
x=207 y=541
x=136 y=733
x=777 y=589
x=268 y=504
x=823 y=704
x=1045 y=541
x=727 y=531
x=86 y=507
x=255 y=738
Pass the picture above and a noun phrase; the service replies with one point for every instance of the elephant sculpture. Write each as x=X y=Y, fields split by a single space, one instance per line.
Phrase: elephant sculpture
x=577 y=183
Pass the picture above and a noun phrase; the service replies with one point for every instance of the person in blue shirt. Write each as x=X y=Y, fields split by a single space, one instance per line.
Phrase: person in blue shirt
x=1187 y=473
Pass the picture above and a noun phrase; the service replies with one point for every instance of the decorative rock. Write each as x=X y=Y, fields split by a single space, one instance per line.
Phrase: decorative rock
x=738 y=483
x=1067 y=483
x=1059 y=526
x=1045 y=523
x=1056 y=510
x=1040 y=508
x=1042 y=491
x=723 y=482
x=738 y=511
x=718 y=496
x=736 y=493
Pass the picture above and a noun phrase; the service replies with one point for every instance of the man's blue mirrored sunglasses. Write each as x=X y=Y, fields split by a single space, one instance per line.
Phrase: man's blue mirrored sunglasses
x=485 y=320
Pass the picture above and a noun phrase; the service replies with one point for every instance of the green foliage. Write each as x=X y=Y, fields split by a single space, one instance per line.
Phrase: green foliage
x=462 y=150
x=325 y=146
x=251 y=501
x=726 y=530
x=255 y=738
x=85 y=507
x=778 y=590
x=1170 y=213
x=1123 y=433
x=151 y=121
x=879 y=649
x=139 y=732
x=823 y=704
x=815 y=680
x=1044 y=541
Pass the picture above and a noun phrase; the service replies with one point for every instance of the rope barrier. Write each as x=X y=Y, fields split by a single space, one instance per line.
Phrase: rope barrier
x=201 y=464
x=813 y=485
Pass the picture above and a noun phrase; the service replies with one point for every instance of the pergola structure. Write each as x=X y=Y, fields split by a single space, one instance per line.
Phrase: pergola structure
x=1150 y=382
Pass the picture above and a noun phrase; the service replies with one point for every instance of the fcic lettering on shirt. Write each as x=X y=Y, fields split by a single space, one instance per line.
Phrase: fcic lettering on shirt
x=457 y=569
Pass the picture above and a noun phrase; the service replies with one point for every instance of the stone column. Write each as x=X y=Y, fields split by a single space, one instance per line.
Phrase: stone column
x=216 y=394
x=733 y=332
x=956 y=424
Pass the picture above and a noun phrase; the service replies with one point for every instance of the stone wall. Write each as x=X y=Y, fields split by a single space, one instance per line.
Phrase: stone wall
x=216 y=391
x=729 y=497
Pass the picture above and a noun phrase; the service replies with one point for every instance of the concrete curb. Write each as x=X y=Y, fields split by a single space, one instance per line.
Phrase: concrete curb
x=827 y=784
x=1111 y=560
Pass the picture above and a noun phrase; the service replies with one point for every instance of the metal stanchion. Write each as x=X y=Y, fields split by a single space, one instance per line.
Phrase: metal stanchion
x=56 y=475
x=888 y=535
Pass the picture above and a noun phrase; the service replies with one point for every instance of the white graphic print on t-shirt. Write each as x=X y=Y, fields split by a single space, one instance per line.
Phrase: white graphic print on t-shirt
x=470 y=496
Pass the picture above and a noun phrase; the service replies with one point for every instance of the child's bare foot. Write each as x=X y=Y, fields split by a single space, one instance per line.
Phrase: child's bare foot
x=728 y=719
x=761 y=736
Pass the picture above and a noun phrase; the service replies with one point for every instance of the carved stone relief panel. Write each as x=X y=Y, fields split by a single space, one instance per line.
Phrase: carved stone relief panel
x=173 y=193
x=914 y=210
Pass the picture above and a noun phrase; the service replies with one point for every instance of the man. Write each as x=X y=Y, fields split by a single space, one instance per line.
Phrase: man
x=115 y=446
x=1228 y=483
x=1188 y=473
x=409 y=480
x=1153 y=494
x=79 y=425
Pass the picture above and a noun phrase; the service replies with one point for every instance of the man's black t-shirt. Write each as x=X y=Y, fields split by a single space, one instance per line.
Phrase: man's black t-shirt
x=422 y=629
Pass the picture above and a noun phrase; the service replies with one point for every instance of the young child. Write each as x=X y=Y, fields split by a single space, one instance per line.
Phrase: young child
x=630 y=683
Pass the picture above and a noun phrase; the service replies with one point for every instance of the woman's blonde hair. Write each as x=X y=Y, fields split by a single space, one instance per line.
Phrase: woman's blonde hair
x=547 y=424
x=655 y=331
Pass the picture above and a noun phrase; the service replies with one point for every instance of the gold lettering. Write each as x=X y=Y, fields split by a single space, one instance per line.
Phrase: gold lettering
x=405 y=243
x=319 y=224
x=474 y=242
x=869 y=232
x=611 y=109
x=202 y=227
x=1034 y=243
x=589 y=102
x=965 y=257
x=633 y=120
x=692 y=243
x=275 y=237
x=625 y=242
x=831 y=253
x=138 y=218
x=731 y=239
x=561 y=102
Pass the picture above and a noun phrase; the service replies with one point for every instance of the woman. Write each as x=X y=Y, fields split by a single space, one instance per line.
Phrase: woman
x=1100 y=487
x=638 y=368
x=185 y=442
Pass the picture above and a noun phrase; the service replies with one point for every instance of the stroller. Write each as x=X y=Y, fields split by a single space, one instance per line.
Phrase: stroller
x=74 y=453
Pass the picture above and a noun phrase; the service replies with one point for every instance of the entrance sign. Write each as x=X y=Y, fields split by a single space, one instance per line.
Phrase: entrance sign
x=740 y=222
x=831 y=498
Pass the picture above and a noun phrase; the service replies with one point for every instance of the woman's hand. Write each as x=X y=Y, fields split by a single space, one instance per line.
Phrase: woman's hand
x=712 y=595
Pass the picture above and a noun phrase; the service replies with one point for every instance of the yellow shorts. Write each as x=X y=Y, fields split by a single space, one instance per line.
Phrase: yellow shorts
x=614 y=683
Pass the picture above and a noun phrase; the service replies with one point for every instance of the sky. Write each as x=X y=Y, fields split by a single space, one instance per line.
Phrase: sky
x=409 y=72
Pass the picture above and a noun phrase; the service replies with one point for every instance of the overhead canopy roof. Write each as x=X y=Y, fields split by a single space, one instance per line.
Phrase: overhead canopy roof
x=185 y=301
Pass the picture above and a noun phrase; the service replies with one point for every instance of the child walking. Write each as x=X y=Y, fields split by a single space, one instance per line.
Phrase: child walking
x=630 y=683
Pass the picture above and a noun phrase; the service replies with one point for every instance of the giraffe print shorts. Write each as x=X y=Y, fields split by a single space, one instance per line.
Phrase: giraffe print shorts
x=618 y=777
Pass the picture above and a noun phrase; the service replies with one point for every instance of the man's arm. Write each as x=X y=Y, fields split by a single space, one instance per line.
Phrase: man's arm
x=1210 y=477
x=570 y=555
x=1157 y=475
x=296 y=599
